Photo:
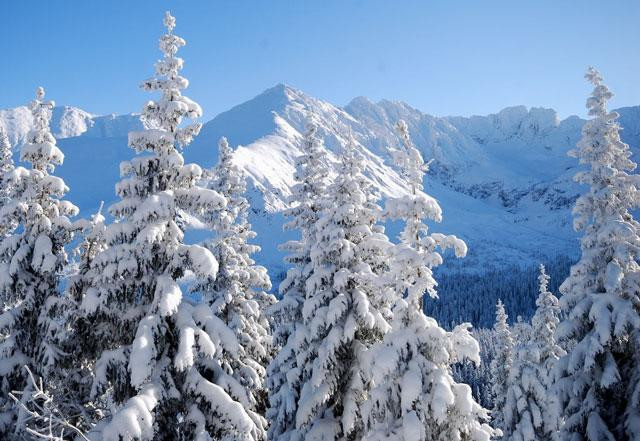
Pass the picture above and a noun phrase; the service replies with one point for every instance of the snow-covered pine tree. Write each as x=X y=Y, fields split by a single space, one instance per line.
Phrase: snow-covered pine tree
x=414 y=396
x=529 y=413
x=520 y=333
x=238 y=298
x=93 y=233
x=544 y=325
x=478 y=376
x=285 y=375
x=6 y=166
x=146 y=336
x=32 y=256
x=6 y=156
x=6 y=163
x=501 y=365
x=599 y=379
x=339 y=315
x=73 y=392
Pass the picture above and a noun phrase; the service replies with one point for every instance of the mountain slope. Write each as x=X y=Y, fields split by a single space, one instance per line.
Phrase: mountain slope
x=504 y=180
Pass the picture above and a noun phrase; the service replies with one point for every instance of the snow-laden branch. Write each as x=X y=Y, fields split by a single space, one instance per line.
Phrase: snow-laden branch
x=42 y=418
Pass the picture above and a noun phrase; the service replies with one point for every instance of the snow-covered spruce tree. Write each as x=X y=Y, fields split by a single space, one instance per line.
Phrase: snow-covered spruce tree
x=149 y=342
x=529 y=410
x=521 y=331
x=73 y=393
x=501 y=365
x=285 y=375
x=238 y=299
x=414 y=396
x=6 y=157
x=6 y=166
x=31 y=257
x=599 y=379
x=545 y=322
x=478 y=376
x=339 y=315
x=93 y=234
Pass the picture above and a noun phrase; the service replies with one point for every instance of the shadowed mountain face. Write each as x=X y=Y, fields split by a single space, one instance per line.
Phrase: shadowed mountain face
x=504 y=180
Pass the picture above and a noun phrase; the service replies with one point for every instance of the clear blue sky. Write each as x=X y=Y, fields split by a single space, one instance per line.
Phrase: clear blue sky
x=443 y=57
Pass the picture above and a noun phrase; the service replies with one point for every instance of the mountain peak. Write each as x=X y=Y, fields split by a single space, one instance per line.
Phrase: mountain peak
x=360 y=101
x=280 y=91
x=233 y=123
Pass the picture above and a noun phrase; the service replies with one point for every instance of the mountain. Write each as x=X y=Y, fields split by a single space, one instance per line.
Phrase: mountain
x=68 y=122
x=504 y=180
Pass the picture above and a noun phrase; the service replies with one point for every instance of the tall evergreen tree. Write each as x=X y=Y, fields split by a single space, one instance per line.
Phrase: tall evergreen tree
x=6 y=167
x=501 y=365
x=414 y=396
x=6 y=162
x=148 y=340
x=73 y=390
x=286 y=371
x=339 y=313
x=599 y=379
x=32 y=256
x=237 y=296
x=93 y=242
x=529 y=411
x=6 y=156
x=520 y=331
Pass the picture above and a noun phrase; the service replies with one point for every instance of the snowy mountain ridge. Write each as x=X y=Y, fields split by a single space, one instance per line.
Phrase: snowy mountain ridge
x=68 y=122
x=504 y=180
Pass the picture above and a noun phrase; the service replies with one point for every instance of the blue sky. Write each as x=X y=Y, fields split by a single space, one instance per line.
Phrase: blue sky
x=443 y=57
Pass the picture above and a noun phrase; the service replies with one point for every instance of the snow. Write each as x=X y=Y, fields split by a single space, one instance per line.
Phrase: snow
x=412 y=427
x=91 y=301
x=142 y=351
x=219 y=333
x=43 y=259
x=613 y=276
x=466 y=347
x=463 y=398
x=54 y=185
x=135 y=420
x=222 y=404
x=185 y=356
x=47 y=149
x=411 y=387
x=168 y=295
x=203 y=263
